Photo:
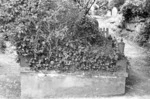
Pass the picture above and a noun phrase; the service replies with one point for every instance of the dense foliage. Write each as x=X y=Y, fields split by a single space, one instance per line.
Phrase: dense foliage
x=67 y=51
x=56 y=35
x=131 y=11
x=137 y=12
x=144 y=37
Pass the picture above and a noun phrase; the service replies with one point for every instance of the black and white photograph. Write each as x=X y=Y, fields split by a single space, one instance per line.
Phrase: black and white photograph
x=74 y=49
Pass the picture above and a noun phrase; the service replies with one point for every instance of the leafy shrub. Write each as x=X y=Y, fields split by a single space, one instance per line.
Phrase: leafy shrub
x=131 y=11
x=59 y=38
x=135 y=13
x=87 y=29
x=65 y=52
x=144 y=36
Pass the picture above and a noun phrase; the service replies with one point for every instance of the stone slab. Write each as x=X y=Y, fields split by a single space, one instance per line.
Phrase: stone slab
x=64 y=85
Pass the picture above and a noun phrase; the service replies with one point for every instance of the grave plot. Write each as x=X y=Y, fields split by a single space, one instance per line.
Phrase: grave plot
x=87 y=58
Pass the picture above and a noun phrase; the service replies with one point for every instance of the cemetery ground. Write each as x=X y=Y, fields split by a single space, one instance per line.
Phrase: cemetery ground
x=137 y=84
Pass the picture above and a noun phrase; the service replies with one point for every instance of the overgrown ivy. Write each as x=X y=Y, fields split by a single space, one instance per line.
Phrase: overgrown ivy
x=56 y=35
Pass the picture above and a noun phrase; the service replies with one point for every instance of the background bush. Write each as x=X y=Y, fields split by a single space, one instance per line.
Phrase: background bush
x=137 y=13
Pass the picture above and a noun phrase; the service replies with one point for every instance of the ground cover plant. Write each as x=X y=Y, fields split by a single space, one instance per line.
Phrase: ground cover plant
x=58 y=35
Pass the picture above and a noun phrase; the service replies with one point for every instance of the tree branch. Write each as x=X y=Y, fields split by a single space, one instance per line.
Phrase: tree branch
x=88 y=9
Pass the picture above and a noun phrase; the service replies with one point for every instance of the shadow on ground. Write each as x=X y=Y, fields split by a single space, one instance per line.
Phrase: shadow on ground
x=138 y=81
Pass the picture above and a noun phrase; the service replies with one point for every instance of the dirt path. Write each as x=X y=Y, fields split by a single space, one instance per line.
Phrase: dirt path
x=138 y=82
x=8 y=66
